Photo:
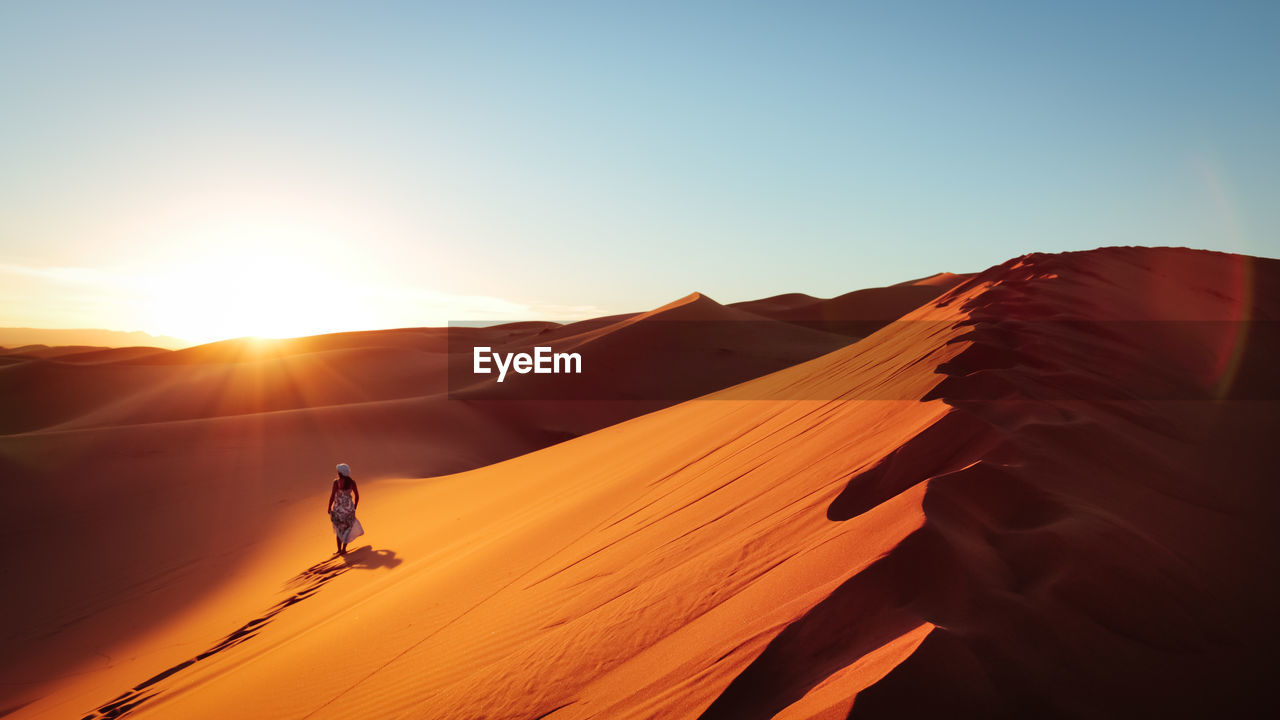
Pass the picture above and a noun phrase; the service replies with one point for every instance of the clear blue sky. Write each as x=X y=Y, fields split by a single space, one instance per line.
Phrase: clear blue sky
x=556 y=155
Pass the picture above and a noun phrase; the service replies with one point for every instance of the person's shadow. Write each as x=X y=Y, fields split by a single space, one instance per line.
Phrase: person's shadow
x=366 y=558
x=305 y=584
x=362 y=558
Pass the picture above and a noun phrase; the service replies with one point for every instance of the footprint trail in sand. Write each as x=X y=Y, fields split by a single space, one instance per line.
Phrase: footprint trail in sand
x=306 y=583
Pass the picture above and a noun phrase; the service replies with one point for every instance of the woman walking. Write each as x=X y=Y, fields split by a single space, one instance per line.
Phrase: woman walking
x=343 y=500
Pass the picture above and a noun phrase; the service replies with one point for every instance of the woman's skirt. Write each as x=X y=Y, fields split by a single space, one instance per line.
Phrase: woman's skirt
x=345 y=525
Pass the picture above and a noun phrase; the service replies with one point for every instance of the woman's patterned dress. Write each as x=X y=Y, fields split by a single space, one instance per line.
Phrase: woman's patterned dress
x=343 y=517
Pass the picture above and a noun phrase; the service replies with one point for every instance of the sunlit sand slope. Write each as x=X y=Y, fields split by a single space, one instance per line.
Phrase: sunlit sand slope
x=141 y=479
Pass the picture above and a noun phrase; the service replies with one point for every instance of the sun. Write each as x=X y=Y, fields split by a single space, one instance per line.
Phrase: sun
x=253 y=283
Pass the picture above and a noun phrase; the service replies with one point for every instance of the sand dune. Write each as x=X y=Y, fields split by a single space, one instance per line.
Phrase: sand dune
x=858 y=313
x=770 y=306
x=247 y=376
x=944 y=280
x=127 y=465
x=17 y=337
x=645 y=362
x=1044 y=492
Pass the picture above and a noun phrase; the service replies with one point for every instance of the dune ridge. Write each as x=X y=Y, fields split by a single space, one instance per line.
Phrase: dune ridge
x=1081 y=555
x=855 y=314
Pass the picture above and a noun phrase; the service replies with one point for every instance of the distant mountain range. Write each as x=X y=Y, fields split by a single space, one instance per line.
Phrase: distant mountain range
x=21 y=337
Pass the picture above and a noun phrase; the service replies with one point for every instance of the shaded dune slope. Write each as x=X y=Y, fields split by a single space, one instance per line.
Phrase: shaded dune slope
x=1099 y=505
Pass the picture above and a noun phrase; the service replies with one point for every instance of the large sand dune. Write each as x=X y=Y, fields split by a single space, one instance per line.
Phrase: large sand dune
x=139 y=475
x=1048 y=491
x=858 y=313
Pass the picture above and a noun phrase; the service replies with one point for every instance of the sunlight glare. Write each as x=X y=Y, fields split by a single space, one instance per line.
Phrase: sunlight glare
x=253 y=281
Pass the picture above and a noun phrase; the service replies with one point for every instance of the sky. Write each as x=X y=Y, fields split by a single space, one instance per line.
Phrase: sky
x=223 y=169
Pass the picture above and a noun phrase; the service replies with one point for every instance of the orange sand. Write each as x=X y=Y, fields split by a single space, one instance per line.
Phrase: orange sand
x=1034 y=494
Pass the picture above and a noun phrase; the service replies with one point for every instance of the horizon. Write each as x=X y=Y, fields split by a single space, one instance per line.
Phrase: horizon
x=300 y=169
x=183 y=343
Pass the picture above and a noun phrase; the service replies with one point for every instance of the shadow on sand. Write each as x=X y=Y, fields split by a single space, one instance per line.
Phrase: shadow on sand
x=304 y=584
